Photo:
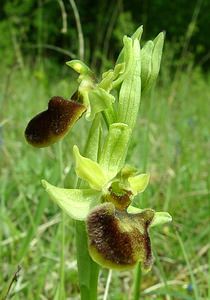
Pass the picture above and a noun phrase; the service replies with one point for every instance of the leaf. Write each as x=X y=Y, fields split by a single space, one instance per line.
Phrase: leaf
x=75 y=202
x=138 y=183
x=89 y=170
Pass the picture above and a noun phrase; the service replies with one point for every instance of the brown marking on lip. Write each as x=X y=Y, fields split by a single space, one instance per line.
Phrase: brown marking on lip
x=145 y=219
x=51 y=125
x=117 y=239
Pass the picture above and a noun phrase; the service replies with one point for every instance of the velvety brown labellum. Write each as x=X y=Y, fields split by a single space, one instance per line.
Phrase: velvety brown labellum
x=119 y=240
x=51 y=125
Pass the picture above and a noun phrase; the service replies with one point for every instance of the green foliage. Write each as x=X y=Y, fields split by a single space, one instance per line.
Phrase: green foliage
x=37 y=27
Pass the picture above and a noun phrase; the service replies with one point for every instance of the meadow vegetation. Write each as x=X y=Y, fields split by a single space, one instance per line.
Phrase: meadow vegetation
x=171 y=142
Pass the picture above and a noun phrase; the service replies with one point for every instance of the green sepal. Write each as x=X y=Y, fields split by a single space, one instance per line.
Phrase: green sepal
x=89 y=170
x=115 y=149
x=80 y=67
x=77 y=203
x=138 y=183
x=160 y=218
x=99 y=100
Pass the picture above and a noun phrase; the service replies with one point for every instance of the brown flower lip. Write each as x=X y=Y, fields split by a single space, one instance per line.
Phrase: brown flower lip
x=119 y=240
x=51 y=125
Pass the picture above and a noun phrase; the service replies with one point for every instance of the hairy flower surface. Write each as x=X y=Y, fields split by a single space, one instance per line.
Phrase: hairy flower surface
x=118 y=239
x=49 y=126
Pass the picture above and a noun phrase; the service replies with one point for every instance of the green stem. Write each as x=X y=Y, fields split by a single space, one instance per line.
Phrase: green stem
x=60 y=293
x=137 y=283
x=87 y=269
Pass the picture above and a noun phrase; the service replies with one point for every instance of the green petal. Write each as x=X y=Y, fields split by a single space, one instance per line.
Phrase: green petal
x=109 y=76
x=107 y=79
x=138 y=183
x=76 y=203
x=160 y=218
x=99 y=100
x=89 y=170
x=115 y=149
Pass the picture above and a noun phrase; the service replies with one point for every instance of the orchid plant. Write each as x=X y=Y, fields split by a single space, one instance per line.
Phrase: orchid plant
x=111 y=232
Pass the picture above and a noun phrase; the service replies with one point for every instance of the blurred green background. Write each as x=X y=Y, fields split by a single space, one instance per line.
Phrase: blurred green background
x=171 y=141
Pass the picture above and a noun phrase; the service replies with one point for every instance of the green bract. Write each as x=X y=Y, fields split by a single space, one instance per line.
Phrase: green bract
x=150 y=61
x=130 y=91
